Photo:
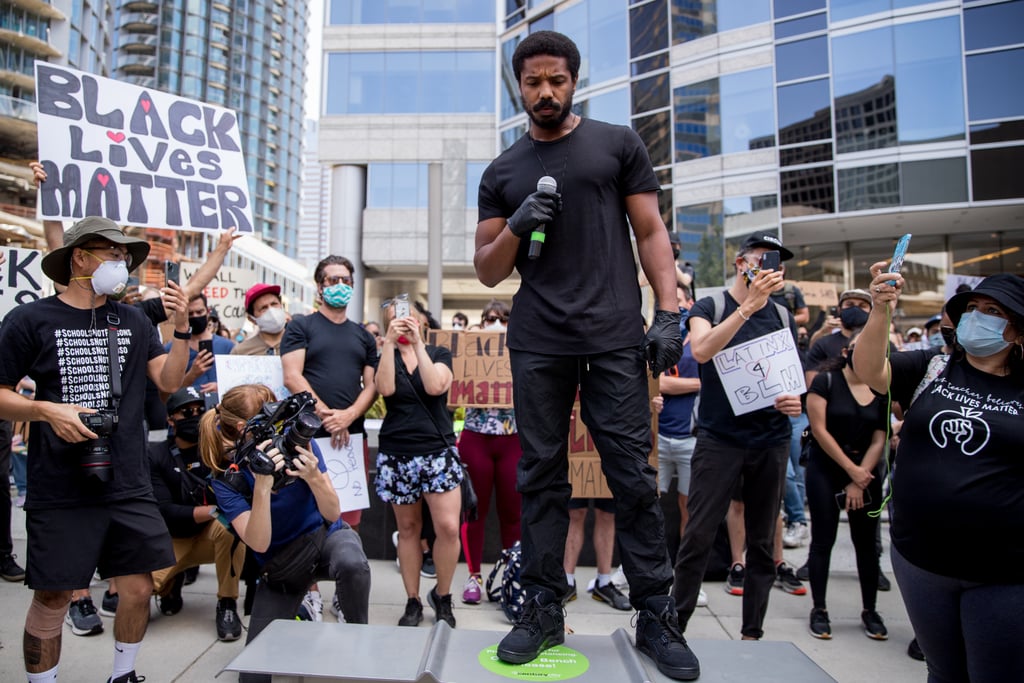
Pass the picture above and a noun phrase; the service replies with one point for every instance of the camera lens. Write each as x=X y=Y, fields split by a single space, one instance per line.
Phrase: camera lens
x=96 y=459
x=303 y=428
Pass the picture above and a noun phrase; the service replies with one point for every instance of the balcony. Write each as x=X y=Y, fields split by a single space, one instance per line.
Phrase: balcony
x=138 y=66
x=140 y=22
x=138 y=43
x=28 y=43
x=40 y=8
x=18 y=127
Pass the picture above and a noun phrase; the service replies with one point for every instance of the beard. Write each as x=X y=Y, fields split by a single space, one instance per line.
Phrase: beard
x=554 y=122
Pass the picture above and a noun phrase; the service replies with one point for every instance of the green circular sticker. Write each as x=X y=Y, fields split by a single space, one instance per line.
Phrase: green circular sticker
x=559 y=663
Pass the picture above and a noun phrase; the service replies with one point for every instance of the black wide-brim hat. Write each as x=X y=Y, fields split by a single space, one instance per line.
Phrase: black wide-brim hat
x=57 y=264
x=1006 y=289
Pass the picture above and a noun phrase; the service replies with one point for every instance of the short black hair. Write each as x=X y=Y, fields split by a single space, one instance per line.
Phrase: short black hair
x=549 y=43
x=332 y=260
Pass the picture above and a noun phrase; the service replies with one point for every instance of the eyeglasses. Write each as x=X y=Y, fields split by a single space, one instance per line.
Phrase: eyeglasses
x=496 y=318
x=189 y=411
x=110 y=252
x=335 y=279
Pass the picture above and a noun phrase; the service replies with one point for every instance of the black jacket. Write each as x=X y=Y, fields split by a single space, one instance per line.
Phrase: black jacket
x=179 y=483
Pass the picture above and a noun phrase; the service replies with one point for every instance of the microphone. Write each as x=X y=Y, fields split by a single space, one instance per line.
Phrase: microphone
x=545 y=184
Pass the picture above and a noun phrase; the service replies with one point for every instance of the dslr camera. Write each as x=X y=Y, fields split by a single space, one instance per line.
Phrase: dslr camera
x=289 y=424
x=96 y=459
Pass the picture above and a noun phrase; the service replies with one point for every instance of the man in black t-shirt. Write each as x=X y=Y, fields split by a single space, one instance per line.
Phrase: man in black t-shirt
x=753 y=448
x=90 y=502
x=578 y=325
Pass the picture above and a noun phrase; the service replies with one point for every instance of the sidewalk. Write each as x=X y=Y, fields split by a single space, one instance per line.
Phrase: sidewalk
x=185 y=648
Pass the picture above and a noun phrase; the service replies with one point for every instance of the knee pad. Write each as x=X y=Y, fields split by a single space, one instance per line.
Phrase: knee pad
x=44 y=622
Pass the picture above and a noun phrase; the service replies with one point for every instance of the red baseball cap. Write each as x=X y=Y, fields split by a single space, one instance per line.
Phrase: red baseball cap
x=258 y=290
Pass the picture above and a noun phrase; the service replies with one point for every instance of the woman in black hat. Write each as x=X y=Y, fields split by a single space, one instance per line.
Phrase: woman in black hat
x=958 y=489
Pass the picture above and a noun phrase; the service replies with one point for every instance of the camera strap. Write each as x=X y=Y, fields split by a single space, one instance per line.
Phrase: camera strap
x=115 y=366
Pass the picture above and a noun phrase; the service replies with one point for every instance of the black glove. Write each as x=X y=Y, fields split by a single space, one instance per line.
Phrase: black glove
x=537 y=209
x=664 y=343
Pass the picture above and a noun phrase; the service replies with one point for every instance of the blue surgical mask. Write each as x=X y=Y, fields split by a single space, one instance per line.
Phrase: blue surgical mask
x=337 y=296
x=981 y=335
x=936 y=340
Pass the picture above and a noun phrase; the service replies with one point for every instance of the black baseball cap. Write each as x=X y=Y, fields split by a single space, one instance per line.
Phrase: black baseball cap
x=768 y=241
x=183 y=397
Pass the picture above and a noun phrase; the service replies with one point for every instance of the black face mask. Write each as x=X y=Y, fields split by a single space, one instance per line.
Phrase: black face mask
x=198 y=324
x=853 y=317
x=802 y=341
x=187 y=429
x=948 y=335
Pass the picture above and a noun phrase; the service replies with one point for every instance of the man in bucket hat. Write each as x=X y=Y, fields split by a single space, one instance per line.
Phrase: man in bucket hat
x=90 y=501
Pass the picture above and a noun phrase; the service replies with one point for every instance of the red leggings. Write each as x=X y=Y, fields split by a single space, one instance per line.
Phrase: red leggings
x=491 y=461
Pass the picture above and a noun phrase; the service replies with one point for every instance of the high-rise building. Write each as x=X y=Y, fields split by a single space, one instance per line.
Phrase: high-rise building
x=314 y=211
x=838 y=123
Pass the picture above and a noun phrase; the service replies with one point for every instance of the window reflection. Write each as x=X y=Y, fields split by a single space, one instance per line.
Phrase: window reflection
x=995 y=173
x=654 y=130
x=986 y=254
x=807 y=192
x=804 y=112
x=868 y=187
x=801 y=59
x=648 y=30
x=988 y=94
x=924 y=271
x=929 y=81
x=612 y=107
x=797 y=27
x=787 y=8
x=474 y=171
x=993 y=25
x=748 y=117
x=702 y=242
x=650 y=93
x=396 y=185
x=697 y=121
x=411 y=11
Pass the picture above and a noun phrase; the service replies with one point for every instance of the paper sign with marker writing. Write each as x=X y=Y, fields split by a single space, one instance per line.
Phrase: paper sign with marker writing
x=348 y=474
x=755 y=372
x=235 y=370
x=21 y=278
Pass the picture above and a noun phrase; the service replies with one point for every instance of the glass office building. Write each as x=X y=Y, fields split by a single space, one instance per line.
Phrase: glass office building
x=839 y=123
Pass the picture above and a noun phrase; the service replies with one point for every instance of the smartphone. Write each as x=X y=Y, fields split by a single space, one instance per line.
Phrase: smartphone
x=771 y=260
x=898 y=254
x=401 y=307
x=172 y=272
x=206 y=345
x=841 y=499
x=834 y=311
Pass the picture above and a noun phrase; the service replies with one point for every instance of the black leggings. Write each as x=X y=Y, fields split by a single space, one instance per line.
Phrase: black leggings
x=823 y=482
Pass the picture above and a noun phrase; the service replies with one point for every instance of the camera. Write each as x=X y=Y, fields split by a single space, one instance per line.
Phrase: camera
x=289 y=424
x=96 y=459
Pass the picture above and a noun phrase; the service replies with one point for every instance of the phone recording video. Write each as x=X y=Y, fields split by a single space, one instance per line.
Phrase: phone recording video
x=771 y=260
x=206 y=345
x=172 y=272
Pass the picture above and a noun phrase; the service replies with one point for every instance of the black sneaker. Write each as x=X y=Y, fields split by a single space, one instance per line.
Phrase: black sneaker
x=658 y=636
x=874 y=628
x=82 y=618
x=11 y=570
x=540 y=625
x=191 y=574
x=428 y=570
x=108 y=606
x=804 y=573
x=172 y=603
x=569 y=595
x=130 y=677
x=610 y=594
x=413 y=613
x=442 y=605
x=734 y=582
x=914 y=651
x=229 y=627
x=785 y=578
x=883 y=582
x=820 y=626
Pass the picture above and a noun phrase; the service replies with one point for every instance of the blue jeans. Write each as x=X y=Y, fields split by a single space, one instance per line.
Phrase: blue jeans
x=796 y=493
x=968 y=631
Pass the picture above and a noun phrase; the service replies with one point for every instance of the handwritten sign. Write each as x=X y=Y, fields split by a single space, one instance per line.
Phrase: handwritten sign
x=137 y=156
x=481 y=369
x=821 y=294
x=755 y=372
x=21 y=278
x=226 y=292
x=235 y=370
x=345 y=468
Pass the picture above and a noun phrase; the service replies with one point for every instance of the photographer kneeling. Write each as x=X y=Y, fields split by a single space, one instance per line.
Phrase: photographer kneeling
x=287 y=513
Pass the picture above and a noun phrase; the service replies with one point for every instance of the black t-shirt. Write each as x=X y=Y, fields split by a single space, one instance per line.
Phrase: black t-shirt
x=851 y=424
x=958 y=484
x=407 y=429
x=762 y=428
x=156 y=410
x=581 y=296
x=826 y=349
x=179 y=484
x=791 y=297
x=51 y=342
x=336 y=355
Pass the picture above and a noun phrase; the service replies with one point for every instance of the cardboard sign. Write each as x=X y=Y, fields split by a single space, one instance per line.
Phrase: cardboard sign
x=226 y=292
x=348 y=475
x=481 y=368
x=21 y=278
x=235 y=370
x=822 y=294
x=755 y=372
x=137 y=156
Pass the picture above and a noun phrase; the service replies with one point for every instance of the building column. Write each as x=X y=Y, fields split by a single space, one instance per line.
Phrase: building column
x=345 y=238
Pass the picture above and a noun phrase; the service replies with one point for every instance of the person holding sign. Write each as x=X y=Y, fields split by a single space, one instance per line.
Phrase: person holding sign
x=578 y=188
x=746 y=347
x=90 y=501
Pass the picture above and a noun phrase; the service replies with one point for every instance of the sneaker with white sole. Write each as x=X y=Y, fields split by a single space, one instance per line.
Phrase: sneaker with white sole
x=785 y=578
x=336 y=608
x=702 y=598
x=312 y=607
x=795 y=535
x=108 y=606
x=874 y=627
x=82 y=618
x=610 y=594
x=471 y=592
x=734 y=582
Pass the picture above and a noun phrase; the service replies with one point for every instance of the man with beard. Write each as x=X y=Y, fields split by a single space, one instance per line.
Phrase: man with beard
x=578 y=326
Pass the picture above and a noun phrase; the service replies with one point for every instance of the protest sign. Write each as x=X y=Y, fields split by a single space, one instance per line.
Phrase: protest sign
x=347 y=471
x=21 y=278
x=137 y=156
x=755 y=372
x=235 y=370
x=226 y=292
x=953 y=281
x=822 y=294
x=482 y=372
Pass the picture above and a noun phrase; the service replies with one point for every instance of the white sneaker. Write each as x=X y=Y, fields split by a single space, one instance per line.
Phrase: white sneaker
x=795 y=535
x=312 y=607
x=619 y=579
x=336 y=609
x=702 y=598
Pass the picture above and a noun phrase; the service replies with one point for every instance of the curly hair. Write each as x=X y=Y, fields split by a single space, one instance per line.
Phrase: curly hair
x=550 y=43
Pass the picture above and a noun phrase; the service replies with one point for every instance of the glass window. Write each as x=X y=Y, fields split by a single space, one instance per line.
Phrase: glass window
x=924 y=271
x=748 y=116
x=929 y=81
x=397 y=185
x=804 y=112
x=543 y=23
x=935 y=181
x=650 y=93
x=608 y=40
x=702 y=242
x=868 y=187
x=403 y=75
x=817 y=263
x=1003 y=131
x=612 y=107
x=801 y=59
x=697 y=123
x=648 y=28
x=995 y=173
x=865 y=90
x=787 y=8
x=805 y=154
x=692 y=20
x=989 y=95
x=647 y=64
x=797 y=27
x=988 y=253
x=848 y=9
x=510 y=97
x=993 y=25
x=655 y=131
x=743 y=216
x=573 y=23
x=807 y=192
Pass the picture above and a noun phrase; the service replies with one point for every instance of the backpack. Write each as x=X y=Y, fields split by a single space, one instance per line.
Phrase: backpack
x=509 y=593
x=789 y=294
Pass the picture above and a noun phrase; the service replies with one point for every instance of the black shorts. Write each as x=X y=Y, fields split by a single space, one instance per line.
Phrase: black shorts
x=602 y=504
x=65 y=546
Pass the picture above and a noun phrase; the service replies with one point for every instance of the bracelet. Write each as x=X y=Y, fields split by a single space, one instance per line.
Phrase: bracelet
x=745 y=318
x=187 y=335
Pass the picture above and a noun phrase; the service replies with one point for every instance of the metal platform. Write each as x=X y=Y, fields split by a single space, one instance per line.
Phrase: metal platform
x=300 y=651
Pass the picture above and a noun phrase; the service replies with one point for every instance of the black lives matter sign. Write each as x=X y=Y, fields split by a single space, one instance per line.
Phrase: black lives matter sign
x=137 y=156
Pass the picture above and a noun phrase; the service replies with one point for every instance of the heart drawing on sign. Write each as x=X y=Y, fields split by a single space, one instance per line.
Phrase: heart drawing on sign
x=116 y=137
x=103 y=178
x=145 y=105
